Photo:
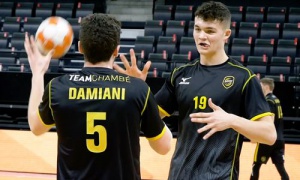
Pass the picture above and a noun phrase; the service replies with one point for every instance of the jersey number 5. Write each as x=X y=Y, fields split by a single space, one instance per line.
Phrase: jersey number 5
x=91 y=128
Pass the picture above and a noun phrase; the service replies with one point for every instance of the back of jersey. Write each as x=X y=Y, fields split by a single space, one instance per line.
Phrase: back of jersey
x=97 y=113
x=276 y=108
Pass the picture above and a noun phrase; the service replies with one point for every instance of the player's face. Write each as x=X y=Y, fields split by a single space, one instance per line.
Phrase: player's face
x=210 y=36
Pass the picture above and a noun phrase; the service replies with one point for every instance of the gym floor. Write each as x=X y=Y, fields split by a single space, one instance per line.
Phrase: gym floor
x=27 y=157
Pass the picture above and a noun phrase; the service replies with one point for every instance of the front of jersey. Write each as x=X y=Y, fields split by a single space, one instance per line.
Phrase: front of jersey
x=232 y=87
x=99 y=115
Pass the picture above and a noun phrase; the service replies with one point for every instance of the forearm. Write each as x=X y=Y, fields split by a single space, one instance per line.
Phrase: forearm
x=162 y=145
x=261 y=131
x=38 y=65
x=36 y=94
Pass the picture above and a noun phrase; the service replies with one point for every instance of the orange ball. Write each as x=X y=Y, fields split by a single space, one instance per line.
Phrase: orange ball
x=54 y=33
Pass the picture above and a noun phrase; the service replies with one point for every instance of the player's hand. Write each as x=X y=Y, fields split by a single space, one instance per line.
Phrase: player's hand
x=38 y=63
x=215 y=121
x=132 y=70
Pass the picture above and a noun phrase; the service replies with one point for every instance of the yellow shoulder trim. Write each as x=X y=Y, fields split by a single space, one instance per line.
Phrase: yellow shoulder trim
x=261 y=115
x=158 y=136
x=248 y=71
x=248 y=81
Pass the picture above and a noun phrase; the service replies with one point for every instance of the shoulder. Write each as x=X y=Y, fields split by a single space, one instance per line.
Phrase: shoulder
x=272 y=98
x=58 y=83
x=234 y=61
x=61 y=79
x=187 y=65
x=138 y=82
x=184 y=69
x=236 y=66
x=239 y=67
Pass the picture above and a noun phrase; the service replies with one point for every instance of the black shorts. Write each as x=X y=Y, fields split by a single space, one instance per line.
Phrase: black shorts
x=264 y=152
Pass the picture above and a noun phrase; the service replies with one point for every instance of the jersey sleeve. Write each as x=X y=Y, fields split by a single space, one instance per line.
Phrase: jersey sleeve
x=166 y=98
x=151 y=125
x=45 y=111
x=256 y=105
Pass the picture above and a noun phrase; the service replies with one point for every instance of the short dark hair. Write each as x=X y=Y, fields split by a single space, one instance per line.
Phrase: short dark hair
x=269 y=82
x=211 y=10
x=99 y=36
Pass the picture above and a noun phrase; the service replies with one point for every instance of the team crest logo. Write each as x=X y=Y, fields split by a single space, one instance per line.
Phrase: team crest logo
x=228 y=81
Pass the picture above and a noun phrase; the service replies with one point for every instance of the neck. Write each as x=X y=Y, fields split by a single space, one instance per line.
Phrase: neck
x=268 y=92
x=213 y=59
x=106 y=64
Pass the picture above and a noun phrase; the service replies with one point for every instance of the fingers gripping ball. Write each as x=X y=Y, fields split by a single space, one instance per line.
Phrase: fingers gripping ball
x=54 y=33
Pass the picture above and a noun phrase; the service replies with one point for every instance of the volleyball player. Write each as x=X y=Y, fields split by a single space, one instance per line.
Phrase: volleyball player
x=219 y=102
x=98 y=113
x=263 y=152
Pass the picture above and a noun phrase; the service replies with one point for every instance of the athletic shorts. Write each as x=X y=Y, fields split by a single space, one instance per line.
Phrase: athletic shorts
x=276 y=152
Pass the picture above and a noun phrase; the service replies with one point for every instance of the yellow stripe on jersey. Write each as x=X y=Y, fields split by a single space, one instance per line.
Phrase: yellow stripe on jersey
x=255 y=152
x=158 y=136
x=162 y=111
x=176 y=69
x=248 y=81
x=47 y=125
x=242 y=67
x=249 y=72
x=145 y=105
x=50 y=84
x=261 y=115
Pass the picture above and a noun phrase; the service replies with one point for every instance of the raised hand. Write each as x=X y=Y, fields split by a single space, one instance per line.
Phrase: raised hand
x=132 y=70
x=38 y=63
x=218 y=120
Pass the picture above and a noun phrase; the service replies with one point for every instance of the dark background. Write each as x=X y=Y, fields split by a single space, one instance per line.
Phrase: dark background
x=287 y=3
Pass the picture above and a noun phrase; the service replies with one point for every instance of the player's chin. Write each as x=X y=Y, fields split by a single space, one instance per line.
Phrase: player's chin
x=203 y=51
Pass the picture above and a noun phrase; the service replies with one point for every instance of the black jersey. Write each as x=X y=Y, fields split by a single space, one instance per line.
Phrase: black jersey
x=99 y=114
x=263 y=152
x=275 y=107
x=231 y=86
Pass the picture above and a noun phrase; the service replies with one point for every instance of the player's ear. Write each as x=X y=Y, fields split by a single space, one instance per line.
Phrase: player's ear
x=116 y=51
x=80 y=48
x=227 y=33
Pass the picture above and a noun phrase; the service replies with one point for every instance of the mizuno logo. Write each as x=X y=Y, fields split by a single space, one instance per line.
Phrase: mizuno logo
x=183 y=80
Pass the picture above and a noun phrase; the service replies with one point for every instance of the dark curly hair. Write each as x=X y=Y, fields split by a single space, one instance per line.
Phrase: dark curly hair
x=211 y=10
x=99 y=36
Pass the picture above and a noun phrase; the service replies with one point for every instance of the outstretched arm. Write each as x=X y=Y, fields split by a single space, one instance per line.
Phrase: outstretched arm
x=261 y=130
x=132 y=70
x=39 y=65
